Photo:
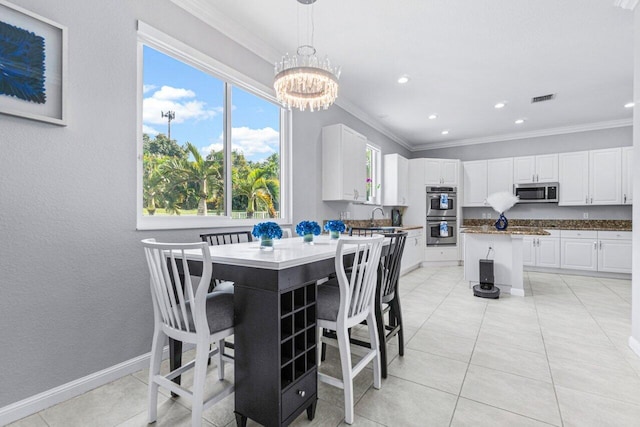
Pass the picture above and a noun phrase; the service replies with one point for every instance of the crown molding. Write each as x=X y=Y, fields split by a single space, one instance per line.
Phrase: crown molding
x=626 y=4
x=524 y=135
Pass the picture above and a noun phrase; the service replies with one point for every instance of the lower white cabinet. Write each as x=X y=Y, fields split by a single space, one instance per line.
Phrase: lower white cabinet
x=542 y=251
x=614 y=251
x=413 y=250
x=607 y=251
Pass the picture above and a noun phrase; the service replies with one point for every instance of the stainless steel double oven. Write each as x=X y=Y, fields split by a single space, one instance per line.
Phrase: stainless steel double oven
x=442 y=206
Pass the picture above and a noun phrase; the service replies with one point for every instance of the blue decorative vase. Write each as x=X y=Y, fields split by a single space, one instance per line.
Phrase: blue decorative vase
x=266 y=243
x=308 y=238
x=501 y=223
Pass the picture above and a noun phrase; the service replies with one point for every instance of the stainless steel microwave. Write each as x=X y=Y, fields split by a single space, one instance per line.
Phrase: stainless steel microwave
x=537 y=192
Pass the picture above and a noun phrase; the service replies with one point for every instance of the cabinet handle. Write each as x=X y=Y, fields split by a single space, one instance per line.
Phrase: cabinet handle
x=416 y=243
x=301 y=393
x=600 y=245
x=624 y=199
x=591 y=201
x=595 y=245
x=586 y=200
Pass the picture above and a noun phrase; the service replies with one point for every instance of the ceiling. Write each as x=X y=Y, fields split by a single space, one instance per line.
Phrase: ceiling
x=462 y=57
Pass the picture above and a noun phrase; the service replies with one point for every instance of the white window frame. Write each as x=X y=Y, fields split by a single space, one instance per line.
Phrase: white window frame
x=149 y=36
x=376 y=184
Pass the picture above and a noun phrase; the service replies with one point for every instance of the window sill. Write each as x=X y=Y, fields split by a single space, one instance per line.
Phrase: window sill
x=182 y=223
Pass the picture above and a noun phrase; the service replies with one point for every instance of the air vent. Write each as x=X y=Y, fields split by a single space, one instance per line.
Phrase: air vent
x=543 y=98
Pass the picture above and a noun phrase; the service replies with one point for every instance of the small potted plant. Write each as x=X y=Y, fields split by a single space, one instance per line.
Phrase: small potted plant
x=307 y=229
x=335 y=227
x=266 y=232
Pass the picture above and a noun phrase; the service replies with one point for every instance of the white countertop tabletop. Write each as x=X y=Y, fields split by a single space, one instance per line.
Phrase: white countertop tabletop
x=286 y=253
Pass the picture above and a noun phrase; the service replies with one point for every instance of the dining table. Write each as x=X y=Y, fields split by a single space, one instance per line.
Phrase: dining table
x=275 y=332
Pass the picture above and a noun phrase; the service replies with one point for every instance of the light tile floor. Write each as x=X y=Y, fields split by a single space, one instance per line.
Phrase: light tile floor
x=558 y=356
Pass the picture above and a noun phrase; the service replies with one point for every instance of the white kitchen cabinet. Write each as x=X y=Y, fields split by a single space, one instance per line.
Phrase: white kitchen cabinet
x=627 y=175
x=484 y=177
x=499 y=175
x=574 y=178
x=396 y=180
x=541 y=251
x=579 y=249
x=416 y=212
x=591 y=177
x=413 y=251
x=343 y=164
x=529 y=169
x=614 y=251
x=474 y=183
x=605 y=177
x=441 y=172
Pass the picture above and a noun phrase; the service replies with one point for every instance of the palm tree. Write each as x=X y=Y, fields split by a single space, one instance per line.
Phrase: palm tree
x=200 y=175
x=259 y=188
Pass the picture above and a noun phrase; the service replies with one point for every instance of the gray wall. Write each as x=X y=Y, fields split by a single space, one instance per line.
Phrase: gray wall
x=75 y=296
x=579 y=141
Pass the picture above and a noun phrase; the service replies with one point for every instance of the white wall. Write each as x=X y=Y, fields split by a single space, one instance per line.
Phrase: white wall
x=75 y=296
x=634 y=341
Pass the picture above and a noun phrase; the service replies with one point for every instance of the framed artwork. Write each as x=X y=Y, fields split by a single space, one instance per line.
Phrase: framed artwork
x=33 y=63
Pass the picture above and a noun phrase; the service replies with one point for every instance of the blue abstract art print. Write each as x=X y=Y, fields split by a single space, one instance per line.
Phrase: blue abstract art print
x=22 y=64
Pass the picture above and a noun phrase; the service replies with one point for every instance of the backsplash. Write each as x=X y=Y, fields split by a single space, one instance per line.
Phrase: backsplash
x=564 y=224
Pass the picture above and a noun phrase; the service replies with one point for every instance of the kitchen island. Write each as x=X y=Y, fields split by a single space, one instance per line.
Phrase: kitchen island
x=504 y=248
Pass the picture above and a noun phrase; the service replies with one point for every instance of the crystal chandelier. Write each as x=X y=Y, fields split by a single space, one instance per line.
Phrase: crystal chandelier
x=303 y=81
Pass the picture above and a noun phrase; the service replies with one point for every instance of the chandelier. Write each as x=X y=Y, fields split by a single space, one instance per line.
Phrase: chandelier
x=303 y=81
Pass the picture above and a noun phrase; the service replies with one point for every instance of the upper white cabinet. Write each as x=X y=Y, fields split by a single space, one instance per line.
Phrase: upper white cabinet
x=343 y=164
x=627 y=175
x=484 y=177
x=499 y=175
x=591 y=177
x=474 y=183
x=396 y=180
x=441 y=172
x=528 y=169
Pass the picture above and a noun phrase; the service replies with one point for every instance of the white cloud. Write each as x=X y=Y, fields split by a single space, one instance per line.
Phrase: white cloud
x=149 y=130
x=179 y=101
x=250 y=142
x=147 y=88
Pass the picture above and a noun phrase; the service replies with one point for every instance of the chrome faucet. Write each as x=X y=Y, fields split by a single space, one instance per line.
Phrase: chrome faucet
x=373 y=214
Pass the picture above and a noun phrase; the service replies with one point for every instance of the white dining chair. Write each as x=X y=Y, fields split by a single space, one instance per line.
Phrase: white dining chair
x=189 y=315
x=348 y=304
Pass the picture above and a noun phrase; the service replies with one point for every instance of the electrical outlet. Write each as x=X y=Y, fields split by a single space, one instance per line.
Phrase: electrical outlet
x=484 y=216
x=585 y=215
x=489 y=215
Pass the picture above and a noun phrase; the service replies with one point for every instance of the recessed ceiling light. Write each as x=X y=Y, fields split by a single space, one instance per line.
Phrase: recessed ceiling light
x=445 y=132
x=403 y=79
x=499 y=105
x=519 y=121
x=629 y=105
x=433 y=116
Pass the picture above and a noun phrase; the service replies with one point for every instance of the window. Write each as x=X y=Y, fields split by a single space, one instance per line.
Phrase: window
x=373 y=175
x=213 y=147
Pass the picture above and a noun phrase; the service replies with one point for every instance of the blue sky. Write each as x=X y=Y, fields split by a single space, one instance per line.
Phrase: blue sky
x=197 y=100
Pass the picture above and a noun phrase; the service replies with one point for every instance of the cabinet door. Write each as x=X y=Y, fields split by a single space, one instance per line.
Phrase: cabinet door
x=354 y=150
x=579 y=254
x=548 y=252
x=500 y=175
x=475 y=182
x=574 y=178
x=547 y=168
x=605 y=176
x=449 y=172
x=614 y=256
x=416 y=212
x=403 y=181
x=627 y=175
x=528 y=250
x=432 y=172
x=524 y=169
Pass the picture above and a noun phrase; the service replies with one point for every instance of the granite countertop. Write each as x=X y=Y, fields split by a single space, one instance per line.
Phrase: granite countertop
x=560 y=224
x=491 y=229
x=386 y=222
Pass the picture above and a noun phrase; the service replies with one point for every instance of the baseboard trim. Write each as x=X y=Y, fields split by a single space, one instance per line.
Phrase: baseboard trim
x=634 y=344
x=46 y=399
